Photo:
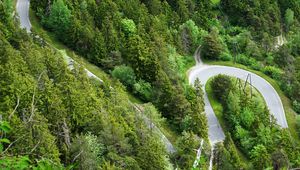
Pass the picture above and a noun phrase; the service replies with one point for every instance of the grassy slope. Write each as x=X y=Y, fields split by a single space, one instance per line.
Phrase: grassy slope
x=289 y=112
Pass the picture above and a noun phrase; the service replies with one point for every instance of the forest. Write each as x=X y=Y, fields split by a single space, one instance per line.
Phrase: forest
x=257 y=136
x=52 y=117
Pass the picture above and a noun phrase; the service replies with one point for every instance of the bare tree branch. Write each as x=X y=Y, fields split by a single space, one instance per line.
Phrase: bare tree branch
x=12 y=144
x=33 y=98
x=35 y=147
x=77 y=155
x=12 y=113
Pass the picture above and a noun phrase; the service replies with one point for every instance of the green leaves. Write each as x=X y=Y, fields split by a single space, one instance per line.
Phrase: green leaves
x=128 y=26
x=59 y=18
x=5 y=127
x=212 y=46
x=260 y=157
x=125 y=74
x=20 y=163
x=289 y=17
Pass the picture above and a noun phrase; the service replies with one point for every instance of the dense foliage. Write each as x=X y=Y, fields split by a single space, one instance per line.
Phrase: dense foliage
x=52 y=117
x=60 y=117
x=137 y=41
x=253 y=129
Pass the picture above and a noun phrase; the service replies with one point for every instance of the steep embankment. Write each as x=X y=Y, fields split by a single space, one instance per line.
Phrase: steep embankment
x=23 y=12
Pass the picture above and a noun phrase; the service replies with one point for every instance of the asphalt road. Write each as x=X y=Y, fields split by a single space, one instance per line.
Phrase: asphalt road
x=205 y=72
x=23 y=11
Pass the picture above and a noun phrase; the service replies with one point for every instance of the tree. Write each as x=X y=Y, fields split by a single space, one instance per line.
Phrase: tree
x=221 y=85
x=87 y=152
x=222 y=158
x=260 y=157
x=212 y=47
x=234 y=157
x=289 y=18
x=187 y=145
x=125 y=74
x=280 y=159
x=140 y=57
x=152 y=154
x=190 y=36
x=128 y=26
x=6 y=11
x=98 y=52
x=247 y=118
x=203 y=13
x=144 y=90
x=59 y=17
x=196 y=121
x=233 y=103
x=283 y=57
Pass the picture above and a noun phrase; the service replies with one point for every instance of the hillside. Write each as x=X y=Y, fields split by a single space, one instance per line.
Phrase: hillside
x=125 y=97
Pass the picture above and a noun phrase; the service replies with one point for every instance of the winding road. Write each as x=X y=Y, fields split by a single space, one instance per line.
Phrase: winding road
x=204 y=72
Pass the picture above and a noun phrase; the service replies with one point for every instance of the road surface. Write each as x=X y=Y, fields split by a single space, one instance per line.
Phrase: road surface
x=205 y=72
x=23 y=11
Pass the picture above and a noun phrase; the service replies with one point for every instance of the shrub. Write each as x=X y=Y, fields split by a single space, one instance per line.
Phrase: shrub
x=243 y=59
x=270 y=59
x=273 y=72
x=125 y=74
x=257 y=66
x=296 y=106
x=143 y=89
x=128 y=26
x=221 y=85
x=225 y=56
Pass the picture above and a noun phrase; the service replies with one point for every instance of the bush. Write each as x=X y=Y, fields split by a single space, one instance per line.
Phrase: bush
x=226 y=56
x=273 y=72
x=221 y=85
x=125 y=74
x=128 y=26
x=296 y=106
x=256 y=66
x=144 y=90
x=242 y=59
x=270 y=59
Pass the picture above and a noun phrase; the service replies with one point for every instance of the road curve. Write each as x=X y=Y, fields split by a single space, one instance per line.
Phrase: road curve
x=205 y=72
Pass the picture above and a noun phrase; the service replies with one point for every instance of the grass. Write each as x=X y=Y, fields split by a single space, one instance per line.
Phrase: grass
x=287 y=105
x=217 y=106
